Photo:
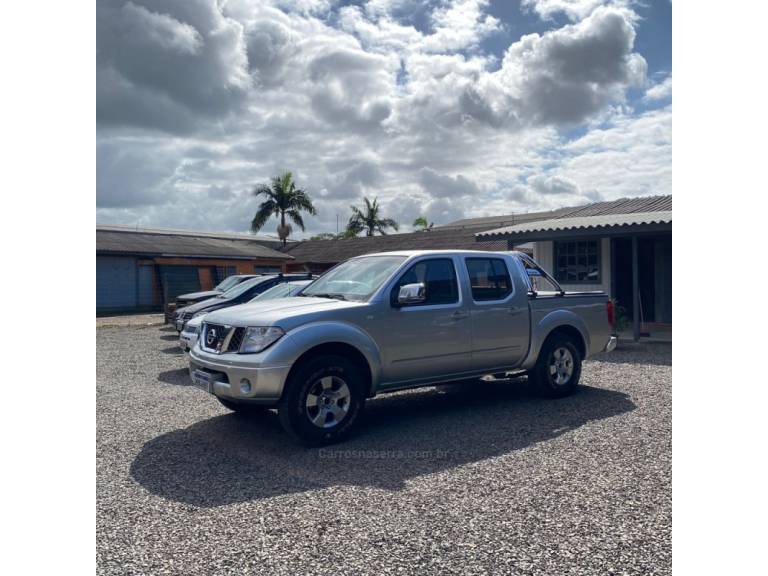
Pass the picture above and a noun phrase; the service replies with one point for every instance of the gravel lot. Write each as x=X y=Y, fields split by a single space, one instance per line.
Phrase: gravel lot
x=434 y=481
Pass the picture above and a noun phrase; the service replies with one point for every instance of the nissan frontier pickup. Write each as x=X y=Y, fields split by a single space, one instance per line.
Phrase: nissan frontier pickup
x=396 y=320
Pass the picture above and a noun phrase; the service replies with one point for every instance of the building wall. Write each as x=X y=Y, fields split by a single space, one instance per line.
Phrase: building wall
x=125 y=283
x=544 y=254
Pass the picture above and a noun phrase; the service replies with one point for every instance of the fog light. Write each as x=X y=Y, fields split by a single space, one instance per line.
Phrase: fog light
x=245 y=386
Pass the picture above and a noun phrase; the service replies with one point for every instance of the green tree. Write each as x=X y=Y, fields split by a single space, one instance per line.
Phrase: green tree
x=282 y=199
x=369 y=220
x=422 y=225
x=325 y=236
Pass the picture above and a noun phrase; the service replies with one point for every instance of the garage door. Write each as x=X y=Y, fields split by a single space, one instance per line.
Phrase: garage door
x=115 y=283
x=146 y=296
x=178 y=280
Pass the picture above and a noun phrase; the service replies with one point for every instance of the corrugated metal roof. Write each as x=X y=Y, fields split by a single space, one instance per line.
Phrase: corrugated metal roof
x=583 y=222
x=487 y=222
x=620 y=206
x=188 y=245
x=623 y=206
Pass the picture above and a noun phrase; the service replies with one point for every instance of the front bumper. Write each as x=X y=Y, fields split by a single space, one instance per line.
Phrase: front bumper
x=187 y=340
x=228 y=373
x=611 y=345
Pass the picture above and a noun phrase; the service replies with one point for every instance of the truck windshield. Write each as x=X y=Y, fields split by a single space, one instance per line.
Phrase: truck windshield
x=355 y=279
x=227 y=283
x=241 y=288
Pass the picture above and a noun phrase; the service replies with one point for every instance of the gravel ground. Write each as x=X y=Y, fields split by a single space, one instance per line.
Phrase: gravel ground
x=133 y=320
x=434 y=481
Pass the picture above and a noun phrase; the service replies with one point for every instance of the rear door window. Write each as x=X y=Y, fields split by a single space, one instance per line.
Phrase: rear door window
x=489 y=278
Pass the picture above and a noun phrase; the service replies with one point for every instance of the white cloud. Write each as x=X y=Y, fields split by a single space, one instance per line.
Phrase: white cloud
x=186 y=60
x=659 y=91
x=445 y=186
x=460 y=24
x=205 y=99
x=574 y=9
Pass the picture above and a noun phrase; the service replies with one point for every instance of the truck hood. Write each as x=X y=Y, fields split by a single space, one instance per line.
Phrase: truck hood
x=205 y=304
x=284 y=312
x=196 y=296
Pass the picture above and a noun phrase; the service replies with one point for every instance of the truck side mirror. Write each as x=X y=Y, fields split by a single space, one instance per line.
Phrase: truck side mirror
x=533 y=273
x=412 y=294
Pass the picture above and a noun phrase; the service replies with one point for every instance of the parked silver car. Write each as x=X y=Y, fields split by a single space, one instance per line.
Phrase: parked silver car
x=397 y=320
x=191 y=330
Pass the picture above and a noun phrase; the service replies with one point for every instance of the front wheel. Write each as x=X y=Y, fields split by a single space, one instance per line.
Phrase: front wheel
x=323 y=399
x=558 y=369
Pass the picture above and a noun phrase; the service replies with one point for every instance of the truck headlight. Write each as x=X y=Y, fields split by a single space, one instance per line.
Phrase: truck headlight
x=257 y=338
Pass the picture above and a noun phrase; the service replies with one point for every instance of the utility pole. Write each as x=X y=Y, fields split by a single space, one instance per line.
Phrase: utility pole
x=337 y=224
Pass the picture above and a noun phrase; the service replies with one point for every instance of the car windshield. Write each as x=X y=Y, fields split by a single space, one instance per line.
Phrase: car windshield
x=355 y=279
x=241 y=288
x=283 y=290
x=227 y=283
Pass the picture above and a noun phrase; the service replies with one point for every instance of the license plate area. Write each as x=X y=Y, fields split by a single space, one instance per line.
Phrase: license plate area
x=204 y=380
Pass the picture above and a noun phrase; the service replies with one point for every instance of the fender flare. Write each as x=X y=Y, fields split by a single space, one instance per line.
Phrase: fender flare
x=541 y=331
x=307 y=336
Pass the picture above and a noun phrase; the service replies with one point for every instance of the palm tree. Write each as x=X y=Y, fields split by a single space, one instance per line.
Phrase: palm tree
x=282 y=199
x=368 y=220
x=422 y=225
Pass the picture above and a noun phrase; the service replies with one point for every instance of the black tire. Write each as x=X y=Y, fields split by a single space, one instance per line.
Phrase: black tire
x=242 y=407
x=336 y=385
x=561 y=352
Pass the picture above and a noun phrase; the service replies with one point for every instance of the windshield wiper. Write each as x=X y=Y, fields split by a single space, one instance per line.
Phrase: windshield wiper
x=332 y=295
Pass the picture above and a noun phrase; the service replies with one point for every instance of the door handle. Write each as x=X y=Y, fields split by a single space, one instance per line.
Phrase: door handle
x=459 y=315
x=514 y=311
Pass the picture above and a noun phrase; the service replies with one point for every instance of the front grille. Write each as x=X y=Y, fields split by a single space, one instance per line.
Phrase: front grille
x=212 y=336
x=237 y=338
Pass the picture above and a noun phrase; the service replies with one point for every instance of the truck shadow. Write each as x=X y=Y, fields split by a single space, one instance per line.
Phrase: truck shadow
x=232 y=458
x=179 y=377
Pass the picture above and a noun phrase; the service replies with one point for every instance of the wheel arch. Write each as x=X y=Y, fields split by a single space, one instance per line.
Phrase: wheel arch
x=339 y=339
x=572 y=333
x=557 y=322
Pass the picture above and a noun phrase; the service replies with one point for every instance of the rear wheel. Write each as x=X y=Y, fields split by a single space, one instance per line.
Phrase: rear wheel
x=558 y=369
x=323 y=399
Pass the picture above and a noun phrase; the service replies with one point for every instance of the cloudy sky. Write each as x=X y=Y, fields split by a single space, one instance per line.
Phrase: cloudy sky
x=446 y=108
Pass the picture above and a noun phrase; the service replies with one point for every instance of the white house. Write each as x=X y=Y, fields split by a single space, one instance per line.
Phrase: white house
x=623 y=247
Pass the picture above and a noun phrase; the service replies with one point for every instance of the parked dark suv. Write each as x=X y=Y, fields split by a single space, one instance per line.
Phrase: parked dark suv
x=241 y=293
x=221 y=287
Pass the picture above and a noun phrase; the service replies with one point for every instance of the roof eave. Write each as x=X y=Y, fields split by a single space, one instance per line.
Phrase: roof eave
x=607 y=230
x=196 y=256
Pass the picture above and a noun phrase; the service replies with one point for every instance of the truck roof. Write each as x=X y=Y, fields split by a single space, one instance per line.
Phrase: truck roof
x=410 y=253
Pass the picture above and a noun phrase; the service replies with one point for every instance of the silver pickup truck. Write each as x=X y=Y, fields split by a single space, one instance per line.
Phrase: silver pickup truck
x=397 y=320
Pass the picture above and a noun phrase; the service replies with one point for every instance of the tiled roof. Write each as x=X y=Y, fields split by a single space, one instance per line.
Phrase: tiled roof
x=186 y=244
x=264 y=239
x=583 y=223
x=332 y=251
x=462 y=234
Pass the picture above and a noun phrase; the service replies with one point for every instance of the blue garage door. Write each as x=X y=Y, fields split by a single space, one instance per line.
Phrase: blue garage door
x=115 y=283
x=178 y=280
x=146 y=286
